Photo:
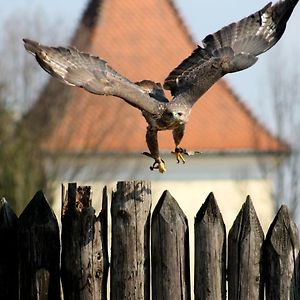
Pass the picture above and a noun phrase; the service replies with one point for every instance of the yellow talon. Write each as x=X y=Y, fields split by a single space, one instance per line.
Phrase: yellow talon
x=162 y=167
x=179 y=154
x=179 y=157
x=158 y=164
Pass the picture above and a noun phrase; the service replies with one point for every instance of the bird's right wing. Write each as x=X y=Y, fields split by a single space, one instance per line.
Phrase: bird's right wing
x=91 y=73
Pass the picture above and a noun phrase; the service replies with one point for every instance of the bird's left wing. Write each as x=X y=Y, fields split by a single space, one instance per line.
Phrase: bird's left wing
x=233 y=48
x=91 y=73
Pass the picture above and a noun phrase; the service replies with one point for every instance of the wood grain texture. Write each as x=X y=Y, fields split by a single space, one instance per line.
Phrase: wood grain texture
x=84 y=260
x=38 y=251
x=282 y=258
x=130 y=262
x=101 y=227
x=8 y=252
x=245 y=254
x=170 y=251
x=210 y=252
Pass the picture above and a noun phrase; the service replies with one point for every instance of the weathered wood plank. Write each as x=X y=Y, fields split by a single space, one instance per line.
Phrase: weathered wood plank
x=8 y=252
x=282 y=258
x=210 y=252
x=245 y=239
x=83 y=258
x=101 y=227
x=170 y=251
x=130 y=259
x=39 y=247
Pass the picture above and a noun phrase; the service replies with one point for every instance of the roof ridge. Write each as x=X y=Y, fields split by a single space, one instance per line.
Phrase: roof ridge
x=82 y=36
x=252 y=116
x=81 y=39
x=91 y=13
x=59 y=104
x=181 y=22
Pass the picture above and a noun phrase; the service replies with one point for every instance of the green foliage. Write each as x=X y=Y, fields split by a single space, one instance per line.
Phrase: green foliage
x=21 y=169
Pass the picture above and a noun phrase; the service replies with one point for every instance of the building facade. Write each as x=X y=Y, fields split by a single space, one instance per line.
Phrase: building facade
x=99 y=140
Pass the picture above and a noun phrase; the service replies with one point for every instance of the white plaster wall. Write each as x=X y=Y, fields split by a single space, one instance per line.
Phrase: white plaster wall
x=230 y=196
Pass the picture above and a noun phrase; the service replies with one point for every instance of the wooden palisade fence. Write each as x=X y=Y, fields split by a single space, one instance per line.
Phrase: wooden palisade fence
x=32 y=265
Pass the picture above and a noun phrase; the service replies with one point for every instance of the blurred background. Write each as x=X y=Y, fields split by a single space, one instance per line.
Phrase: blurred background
x=270 y=90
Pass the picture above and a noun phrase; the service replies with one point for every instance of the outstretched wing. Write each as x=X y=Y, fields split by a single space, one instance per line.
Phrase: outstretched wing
x=231 y=49
x=91 y=73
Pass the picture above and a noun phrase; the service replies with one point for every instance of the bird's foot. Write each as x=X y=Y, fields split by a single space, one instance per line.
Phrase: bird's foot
x=179 y=154
x=158 y=164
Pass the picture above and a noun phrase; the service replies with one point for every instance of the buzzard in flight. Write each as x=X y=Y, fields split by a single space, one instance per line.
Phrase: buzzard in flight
x=231 y=49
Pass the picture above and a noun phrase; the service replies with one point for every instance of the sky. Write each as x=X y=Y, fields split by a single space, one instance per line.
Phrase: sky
x=201 y=18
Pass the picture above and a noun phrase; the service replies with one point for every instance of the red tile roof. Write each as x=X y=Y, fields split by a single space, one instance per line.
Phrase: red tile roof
x=145 y=40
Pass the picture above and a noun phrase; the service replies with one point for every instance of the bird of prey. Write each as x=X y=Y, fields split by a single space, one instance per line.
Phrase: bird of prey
x=231 y=49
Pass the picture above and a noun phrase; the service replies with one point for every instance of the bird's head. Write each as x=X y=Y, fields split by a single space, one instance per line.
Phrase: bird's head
x=175 y=116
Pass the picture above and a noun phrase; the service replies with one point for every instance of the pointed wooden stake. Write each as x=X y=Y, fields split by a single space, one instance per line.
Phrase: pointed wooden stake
x=8 y=252
x=245 y=239
x=210 y=252
x=170 y=251
x=39 y=247
x=282 y=258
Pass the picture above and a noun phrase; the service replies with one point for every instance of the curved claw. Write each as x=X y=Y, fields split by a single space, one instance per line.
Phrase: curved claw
x=179 y=157
x=158 y=164
x=162 y=167
x=179 y=154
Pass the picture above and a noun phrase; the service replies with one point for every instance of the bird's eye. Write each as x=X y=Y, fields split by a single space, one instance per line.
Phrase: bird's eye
x=179 y=114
